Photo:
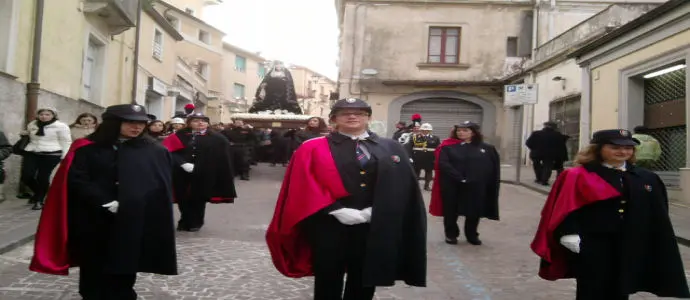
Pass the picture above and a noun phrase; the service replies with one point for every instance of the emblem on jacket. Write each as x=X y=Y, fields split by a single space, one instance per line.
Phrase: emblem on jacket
x=351 y=100
x=396 y=159
x=648 y=187
x=482 y=150
x=625 y=132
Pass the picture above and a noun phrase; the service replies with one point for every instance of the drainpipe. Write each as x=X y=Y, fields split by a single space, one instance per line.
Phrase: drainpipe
x=135 y=75
x=33 y=87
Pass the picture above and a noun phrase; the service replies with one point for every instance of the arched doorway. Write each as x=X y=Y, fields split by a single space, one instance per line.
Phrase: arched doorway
x=442 y=113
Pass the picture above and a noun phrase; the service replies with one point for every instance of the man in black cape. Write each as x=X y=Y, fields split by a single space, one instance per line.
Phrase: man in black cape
x=277 y=91
x=202 y=170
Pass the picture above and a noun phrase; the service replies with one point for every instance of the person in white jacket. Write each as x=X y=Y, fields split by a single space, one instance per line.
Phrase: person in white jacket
x=50 y=140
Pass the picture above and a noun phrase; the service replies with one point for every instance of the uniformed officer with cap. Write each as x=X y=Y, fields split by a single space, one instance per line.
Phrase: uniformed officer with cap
x=612 y=229
x=363 y=216
x=203 y=170
x=421 y=147
x=109 y=209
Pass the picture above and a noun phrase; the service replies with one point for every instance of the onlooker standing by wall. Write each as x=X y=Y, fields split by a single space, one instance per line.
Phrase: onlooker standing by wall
x=649 y=149
x=5 y=151
x=49 y=141
x=547 y=147
x=84 y=125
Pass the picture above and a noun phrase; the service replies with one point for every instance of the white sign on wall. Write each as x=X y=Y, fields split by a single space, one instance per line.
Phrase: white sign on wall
x=520 y=94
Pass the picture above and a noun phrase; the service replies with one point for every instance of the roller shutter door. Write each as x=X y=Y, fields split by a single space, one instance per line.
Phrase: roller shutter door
x=442 y=113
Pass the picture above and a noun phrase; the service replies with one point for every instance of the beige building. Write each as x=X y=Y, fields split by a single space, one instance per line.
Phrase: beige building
x=157 y=64
x=243 y=71
x=199 y=58
x=638 y=75
x=313 y=91
x=443 y=60
x=83 y=63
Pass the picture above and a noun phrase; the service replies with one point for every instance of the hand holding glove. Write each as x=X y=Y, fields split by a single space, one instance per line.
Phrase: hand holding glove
x=348 y=216
x=572 y=242
x=187 y=167
x=112 y=206
x=366 y=213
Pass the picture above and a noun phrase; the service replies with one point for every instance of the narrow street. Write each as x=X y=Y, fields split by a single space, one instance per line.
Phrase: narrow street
x=228 y=259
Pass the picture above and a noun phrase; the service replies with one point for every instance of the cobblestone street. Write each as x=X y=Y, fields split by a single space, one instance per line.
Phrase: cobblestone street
x=228 y=259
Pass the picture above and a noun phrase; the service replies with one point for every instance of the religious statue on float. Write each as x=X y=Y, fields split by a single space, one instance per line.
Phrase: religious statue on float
x=276 y=92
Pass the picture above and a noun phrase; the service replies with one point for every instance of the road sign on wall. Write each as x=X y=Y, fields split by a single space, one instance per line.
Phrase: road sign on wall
x=520 y=94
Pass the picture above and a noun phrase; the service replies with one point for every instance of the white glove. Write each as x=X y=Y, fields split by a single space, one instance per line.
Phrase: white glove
x=112 y=206
x=572 y=242
x=349 y=216
x=189 y=168
x=366 y=213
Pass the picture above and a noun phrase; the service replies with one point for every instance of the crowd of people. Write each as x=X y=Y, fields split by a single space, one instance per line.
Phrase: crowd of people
x=350 y=211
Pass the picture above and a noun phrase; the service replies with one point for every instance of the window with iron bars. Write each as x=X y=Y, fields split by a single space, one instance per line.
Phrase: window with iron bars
x=566 y=113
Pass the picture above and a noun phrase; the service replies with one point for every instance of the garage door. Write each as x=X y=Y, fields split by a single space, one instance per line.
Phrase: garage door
x=442 y=113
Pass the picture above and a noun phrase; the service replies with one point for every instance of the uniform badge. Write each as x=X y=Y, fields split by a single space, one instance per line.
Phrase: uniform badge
x=624 y=132
x=396 y=159
x=351 y=100
x=648 y=187
x=136 y=108
x=482 y=150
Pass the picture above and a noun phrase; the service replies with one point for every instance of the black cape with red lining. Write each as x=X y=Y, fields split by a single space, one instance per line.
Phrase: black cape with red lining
x=651 y=260
x=213 y=176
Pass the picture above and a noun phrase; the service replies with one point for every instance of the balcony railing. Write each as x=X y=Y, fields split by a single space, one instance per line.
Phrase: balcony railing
x=120 y=15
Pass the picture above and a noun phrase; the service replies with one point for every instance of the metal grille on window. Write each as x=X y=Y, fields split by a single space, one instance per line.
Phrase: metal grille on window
x=566 y=113
x=663 y=96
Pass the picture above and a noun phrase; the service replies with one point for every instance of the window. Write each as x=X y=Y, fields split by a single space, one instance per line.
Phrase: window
x=566 y=113
x=238 y=91
x=92 y=72
x=261 y=70
x=203 y=69
x=157 y=44
x=8 y=33
x=322 y=90
x=444 y=45
x=175 y=22
x=189 y=11
x=240 y=63
x=205 y=37
x=512 y=47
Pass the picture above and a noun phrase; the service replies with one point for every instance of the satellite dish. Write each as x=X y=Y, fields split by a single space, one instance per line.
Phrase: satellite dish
x=370 y=72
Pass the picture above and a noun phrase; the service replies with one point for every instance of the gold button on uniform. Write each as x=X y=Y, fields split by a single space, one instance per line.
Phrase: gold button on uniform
x=623 y=201
x=621 y=210
x=363 y=185
x=362 y=172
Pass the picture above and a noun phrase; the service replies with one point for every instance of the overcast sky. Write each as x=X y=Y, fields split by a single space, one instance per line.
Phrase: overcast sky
x=303 y=32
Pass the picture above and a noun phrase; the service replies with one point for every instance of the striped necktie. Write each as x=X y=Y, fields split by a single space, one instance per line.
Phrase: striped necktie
x=361 y=156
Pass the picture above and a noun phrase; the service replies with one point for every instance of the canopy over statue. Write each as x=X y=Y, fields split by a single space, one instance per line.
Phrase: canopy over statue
x=276 y=92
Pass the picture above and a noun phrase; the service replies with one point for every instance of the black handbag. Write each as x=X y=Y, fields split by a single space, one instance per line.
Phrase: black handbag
x=20 y=145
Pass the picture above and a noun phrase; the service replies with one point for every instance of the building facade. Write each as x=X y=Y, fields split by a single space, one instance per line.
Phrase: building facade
x=313 y=91
x=441 y=59
x=83 y=63
x=243 y=71
x=638 y=75
x=199 y=58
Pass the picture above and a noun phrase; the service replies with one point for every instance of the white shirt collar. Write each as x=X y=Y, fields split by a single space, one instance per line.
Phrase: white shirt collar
x=622 y=167
x=357 y=137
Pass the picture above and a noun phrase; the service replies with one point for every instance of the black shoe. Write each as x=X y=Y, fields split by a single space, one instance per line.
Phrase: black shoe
x=194 y=229
x=24 y=196
x=427 y=188
x=474 y=241
x=37 y=206
x=453 y=241
x=244 y=177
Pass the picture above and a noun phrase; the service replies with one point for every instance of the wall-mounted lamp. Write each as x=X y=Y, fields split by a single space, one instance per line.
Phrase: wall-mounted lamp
x=561 y=79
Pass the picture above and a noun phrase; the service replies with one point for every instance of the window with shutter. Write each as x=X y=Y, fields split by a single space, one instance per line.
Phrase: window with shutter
x=157 y=44
x=444 y=45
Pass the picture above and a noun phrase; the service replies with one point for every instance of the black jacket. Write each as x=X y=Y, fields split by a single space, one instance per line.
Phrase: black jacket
x=547 y=143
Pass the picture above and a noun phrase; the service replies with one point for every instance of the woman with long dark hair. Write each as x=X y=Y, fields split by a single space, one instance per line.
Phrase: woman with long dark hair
x=84 y=125
x=156 y=130
x=469 y=178
x=606 y=224
x=109 y=210
x=316 y=127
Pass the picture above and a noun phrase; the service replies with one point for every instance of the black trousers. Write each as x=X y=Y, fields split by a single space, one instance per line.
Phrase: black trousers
x=338 y=249
x=428 y=172
x=542 y=169
x=240 y=155
x=95 y=285
x=598 y=268
x=35 y=174
x=192 y=212
x=452 y=230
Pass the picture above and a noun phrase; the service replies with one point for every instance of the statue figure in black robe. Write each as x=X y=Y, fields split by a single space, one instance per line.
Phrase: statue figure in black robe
x=276 y=92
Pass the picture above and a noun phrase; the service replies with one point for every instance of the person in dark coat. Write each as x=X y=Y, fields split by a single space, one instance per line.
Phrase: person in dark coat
x=316 y=127
x=280 y=145
x=242 y=140
x=421 y=147
x=364 y=215
x=547 y=150
x=470 y=180
x=401 y=127
x=202 y=170
x=113 y=194
x=606 y=223
x=5 y=152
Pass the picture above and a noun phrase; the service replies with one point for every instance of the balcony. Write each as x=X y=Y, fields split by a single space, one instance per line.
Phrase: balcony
x=120 y=15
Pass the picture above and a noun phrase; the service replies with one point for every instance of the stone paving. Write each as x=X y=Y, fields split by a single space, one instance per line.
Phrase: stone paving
x=228 y=259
